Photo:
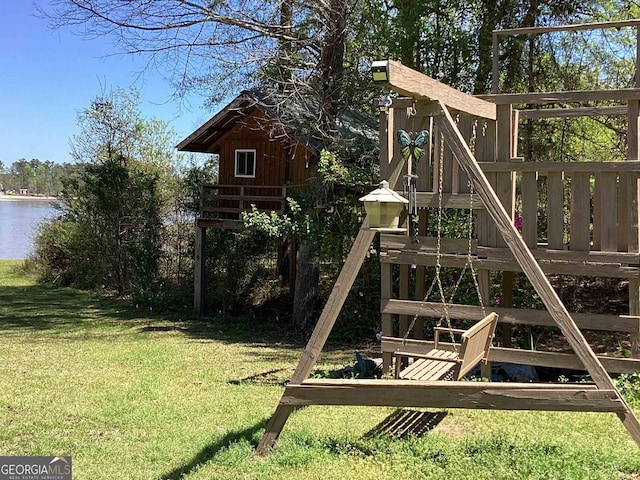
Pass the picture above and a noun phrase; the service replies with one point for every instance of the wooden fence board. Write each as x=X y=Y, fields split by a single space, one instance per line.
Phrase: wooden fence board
x=608 y=211
x=555 y=210
x=530 y=209
x=580 y=216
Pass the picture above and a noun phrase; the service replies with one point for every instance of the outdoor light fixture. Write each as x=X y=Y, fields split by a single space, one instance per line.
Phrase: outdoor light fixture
x=379 y=71
x=383 y=207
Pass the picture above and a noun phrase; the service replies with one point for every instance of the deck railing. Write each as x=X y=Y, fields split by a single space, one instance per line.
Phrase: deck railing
x=227 y=202
x=588 y=204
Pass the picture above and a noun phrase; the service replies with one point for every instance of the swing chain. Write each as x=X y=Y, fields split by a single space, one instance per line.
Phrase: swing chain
x=438 y=266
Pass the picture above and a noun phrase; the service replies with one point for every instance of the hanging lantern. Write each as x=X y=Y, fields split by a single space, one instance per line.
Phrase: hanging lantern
x=383 y=207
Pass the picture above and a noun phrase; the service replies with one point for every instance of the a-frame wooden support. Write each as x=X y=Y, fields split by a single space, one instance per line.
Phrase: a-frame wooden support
x=602 y=397
x=327 y=319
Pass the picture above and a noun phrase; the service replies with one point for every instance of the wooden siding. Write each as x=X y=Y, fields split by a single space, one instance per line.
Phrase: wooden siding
x=277 y=163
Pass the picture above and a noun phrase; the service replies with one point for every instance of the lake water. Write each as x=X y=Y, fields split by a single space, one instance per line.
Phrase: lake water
x=18 y=219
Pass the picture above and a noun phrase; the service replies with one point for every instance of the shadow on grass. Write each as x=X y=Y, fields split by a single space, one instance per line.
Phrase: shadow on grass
x=44 y=307
x=407 y=422
x=62 y=310
x=211 y=450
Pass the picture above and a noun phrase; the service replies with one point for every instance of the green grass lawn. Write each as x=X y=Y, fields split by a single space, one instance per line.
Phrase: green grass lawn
x=135 y=395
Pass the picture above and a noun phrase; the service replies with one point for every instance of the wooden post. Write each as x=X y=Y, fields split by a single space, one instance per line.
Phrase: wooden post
x=327 y=319
x=632 y=190
x=505 y=184
x=320 y=333
x=507 y=302
x=532 y=269
x=241 y=203
x=199 y=269
x=386 y=279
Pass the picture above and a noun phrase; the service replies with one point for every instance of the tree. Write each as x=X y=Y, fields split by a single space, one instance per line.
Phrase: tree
x=110 y=229
x=218 y=45
x=322 y=50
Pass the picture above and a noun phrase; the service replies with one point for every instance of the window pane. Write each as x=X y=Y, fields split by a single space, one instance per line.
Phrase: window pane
x=245 y=163
x=251 y=167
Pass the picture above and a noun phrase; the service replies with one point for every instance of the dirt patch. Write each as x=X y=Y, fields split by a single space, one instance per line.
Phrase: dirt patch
x=453 y=427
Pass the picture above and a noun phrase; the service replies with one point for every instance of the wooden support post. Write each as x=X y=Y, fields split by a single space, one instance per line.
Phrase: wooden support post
x=634 y=309
x=421 y=279
x=632 y=203
x=199 y=269
x=507 y=302
x=505 y=184
x=404 y=295
x=321 y=332
x=530 y=208
x=327 y=319
x=532 y=269
x=386 y=280
x=424 y=185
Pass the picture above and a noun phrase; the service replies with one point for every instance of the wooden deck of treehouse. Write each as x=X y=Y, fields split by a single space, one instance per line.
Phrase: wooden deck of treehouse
x=221 y=206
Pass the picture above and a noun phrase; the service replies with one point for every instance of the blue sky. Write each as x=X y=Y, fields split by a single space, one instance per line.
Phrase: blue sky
x=47 y=76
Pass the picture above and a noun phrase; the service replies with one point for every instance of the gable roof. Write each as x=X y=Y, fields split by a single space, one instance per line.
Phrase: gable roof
x=293 y=116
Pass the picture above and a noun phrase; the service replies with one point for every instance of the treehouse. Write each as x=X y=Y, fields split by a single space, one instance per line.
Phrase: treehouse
x=588 y=227
x=263 y=149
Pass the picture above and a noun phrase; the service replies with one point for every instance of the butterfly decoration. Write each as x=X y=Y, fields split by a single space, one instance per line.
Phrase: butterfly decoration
x=412 y=148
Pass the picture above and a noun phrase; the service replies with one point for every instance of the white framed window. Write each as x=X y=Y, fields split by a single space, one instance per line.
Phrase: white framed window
x=245 y=163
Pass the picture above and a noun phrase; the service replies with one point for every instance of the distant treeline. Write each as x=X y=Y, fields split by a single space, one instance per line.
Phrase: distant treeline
x=35 y=176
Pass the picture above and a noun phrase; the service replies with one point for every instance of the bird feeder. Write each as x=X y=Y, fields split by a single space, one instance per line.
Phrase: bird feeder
x=383 y=207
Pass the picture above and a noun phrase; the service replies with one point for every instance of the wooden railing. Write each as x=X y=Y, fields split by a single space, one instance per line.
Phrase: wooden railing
x=588 y=205
x=225 y=203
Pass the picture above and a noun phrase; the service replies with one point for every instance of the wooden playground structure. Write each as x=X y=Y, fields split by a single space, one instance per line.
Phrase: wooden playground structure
x=472 y=163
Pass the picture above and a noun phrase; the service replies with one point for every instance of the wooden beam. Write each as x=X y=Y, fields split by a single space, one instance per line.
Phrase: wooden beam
x=482 y=395
x=602 y=264
x=411 y=83
x=560 y=360
x=428 y=244
x=457 y=200
x=587 y=321
x=567 y=28
x=539 y=114
x=545 y=167
x=577 y=96
x=531 y=268
x=514 y=355
x=341 y=288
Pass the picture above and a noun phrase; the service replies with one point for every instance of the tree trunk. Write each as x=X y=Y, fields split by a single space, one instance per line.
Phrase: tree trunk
x=306 y=287
x=332 y=65
x=489 y=20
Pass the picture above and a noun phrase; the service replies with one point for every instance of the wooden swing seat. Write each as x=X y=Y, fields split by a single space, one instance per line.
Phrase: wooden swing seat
x=440 y=364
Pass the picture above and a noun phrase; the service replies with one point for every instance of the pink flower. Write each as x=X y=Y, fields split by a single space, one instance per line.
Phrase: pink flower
x=498 y=299
x=517 y=222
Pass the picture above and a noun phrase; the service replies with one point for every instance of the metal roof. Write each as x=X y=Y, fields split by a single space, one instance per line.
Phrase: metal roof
x=294 y=115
